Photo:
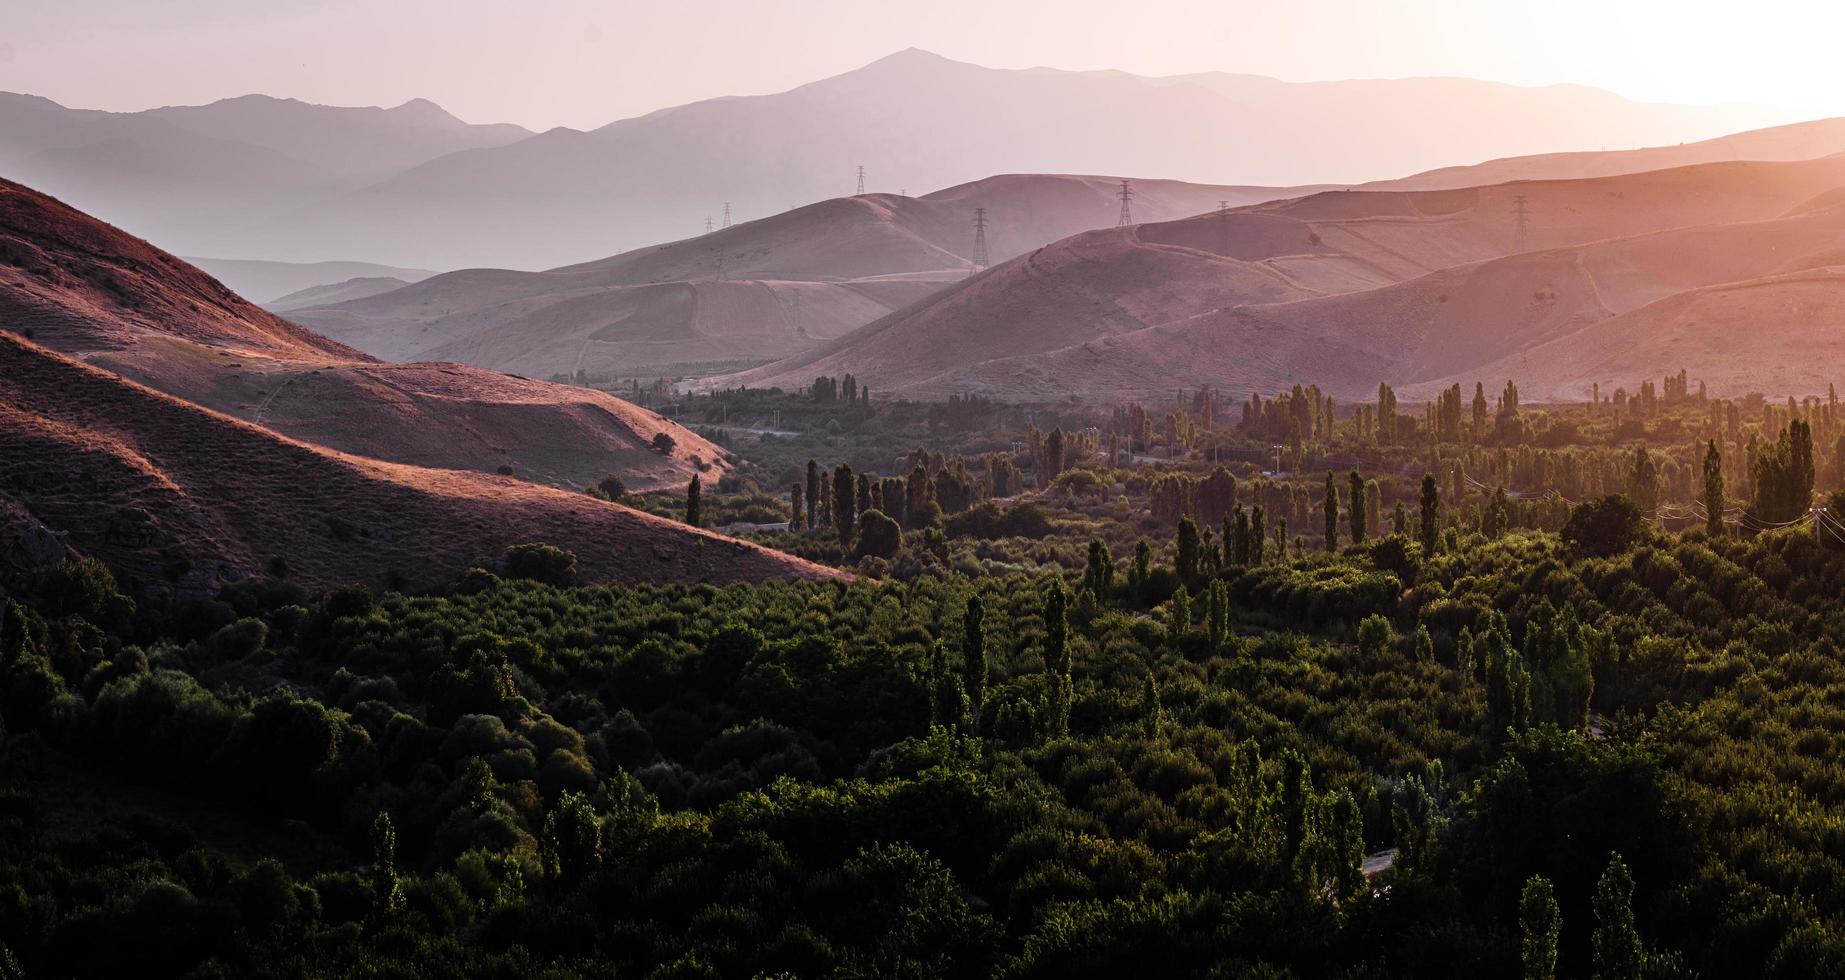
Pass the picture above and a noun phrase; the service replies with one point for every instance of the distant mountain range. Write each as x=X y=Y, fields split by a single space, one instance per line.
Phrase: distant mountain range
x=264 y=178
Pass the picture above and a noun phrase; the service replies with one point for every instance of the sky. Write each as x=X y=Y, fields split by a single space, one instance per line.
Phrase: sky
x=585 y=63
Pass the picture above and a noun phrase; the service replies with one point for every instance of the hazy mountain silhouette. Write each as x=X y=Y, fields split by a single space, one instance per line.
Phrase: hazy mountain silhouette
x=267 y=178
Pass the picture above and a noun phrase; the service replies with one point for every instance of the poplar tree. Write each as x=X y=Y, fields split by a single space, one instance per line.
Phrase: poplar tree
x=1217 y=614
x=1099 y=577
x=845 y=499
x=1188 y=551
x=1329 y=509
x=974 y=654
x=694 y=512
x=1713 y=491
x=813 y=492
x=387 y=889
x=1540 y=921
x=1618 y=954
x=1430 y=528
x=1057 y=657
x=1355 y=514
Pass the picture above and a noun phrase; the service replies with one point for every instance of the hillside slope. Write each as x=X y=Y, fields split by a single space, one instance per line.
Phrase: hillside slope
x=1795 y=141
x=749 y=293
x=1777 y=335
x=167 y=492
x=85 y=289
x=1101 y=288
x=1550 y=317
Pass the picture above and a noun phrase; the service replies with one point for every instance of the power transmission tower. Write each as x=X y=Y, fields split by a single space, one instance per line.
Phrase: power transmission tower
x=707 y=224
x=1521 y=212
x=727 y=214
x=861 y=179
x=1127 y=213
x=980 y=239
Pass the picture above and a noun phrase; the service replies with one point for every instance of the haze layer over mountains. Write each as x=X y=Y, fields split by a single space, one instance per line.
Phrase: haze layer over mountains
x=263 y=178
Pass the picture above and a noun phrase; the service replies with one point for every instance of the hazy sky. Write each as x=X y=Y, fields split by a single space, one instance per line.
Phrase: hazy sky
x=584 y=63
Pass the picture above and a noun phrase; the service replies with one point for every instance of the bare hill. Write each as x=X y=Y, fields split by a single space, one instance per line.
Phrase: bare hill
x=263 y=282
x=167 y=492
x=1096 y=286
x=1795 y=141
x=1525 y=313
x=1776 y=334
x=336 y=292
x=85 y=289
x=749 y=293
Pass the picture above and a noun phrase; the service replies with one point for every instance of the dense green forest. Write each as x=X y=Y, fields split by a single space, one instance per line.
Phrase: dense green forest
x=1506 y=692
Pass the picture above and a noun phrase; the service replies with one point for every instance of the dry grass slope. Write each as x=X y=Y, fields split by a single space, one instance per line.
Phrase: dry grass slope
x=165 y=491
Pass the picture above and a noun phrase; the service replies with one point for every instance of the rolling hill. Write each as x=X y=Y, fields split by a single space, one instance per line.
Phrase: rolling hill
x=88 y=290
x=1775 y=334
x=174 y=496
x=741 y=295
x=1795 y=141
x=1246 y=295
x=263 y=282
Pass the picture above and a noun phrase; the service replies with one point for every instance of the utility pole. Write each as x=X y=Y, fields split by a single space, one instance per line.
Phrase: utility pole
x=861 y=179
x=1127 y=214
x=980 y=239
x=727 y=214
x=1521 y=212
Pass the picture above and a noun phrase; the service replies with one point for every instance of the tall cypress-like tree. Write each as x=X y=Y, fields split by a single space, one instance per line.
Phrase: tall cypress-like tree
x=387 y=890
x=797 y=506
x=1141 y=570
x=1329 y=509
x=1356 y=515
x=1178 y=615
x=845 y=500
x=694 y=507
x=1099 y=577
x=1150 y=704
x=1188 y=551
x=1057 y=657
x=1540 y=922
x=1618 y=953
x=1217 y=614
x=974 y=654
x=813 y=492
x=1430 y=527
x=1713 y=490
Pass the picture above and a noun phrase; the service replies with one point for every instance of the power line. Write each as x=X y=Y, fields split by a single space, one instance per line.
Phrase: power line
x=1127 y=213
x=980 y=239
